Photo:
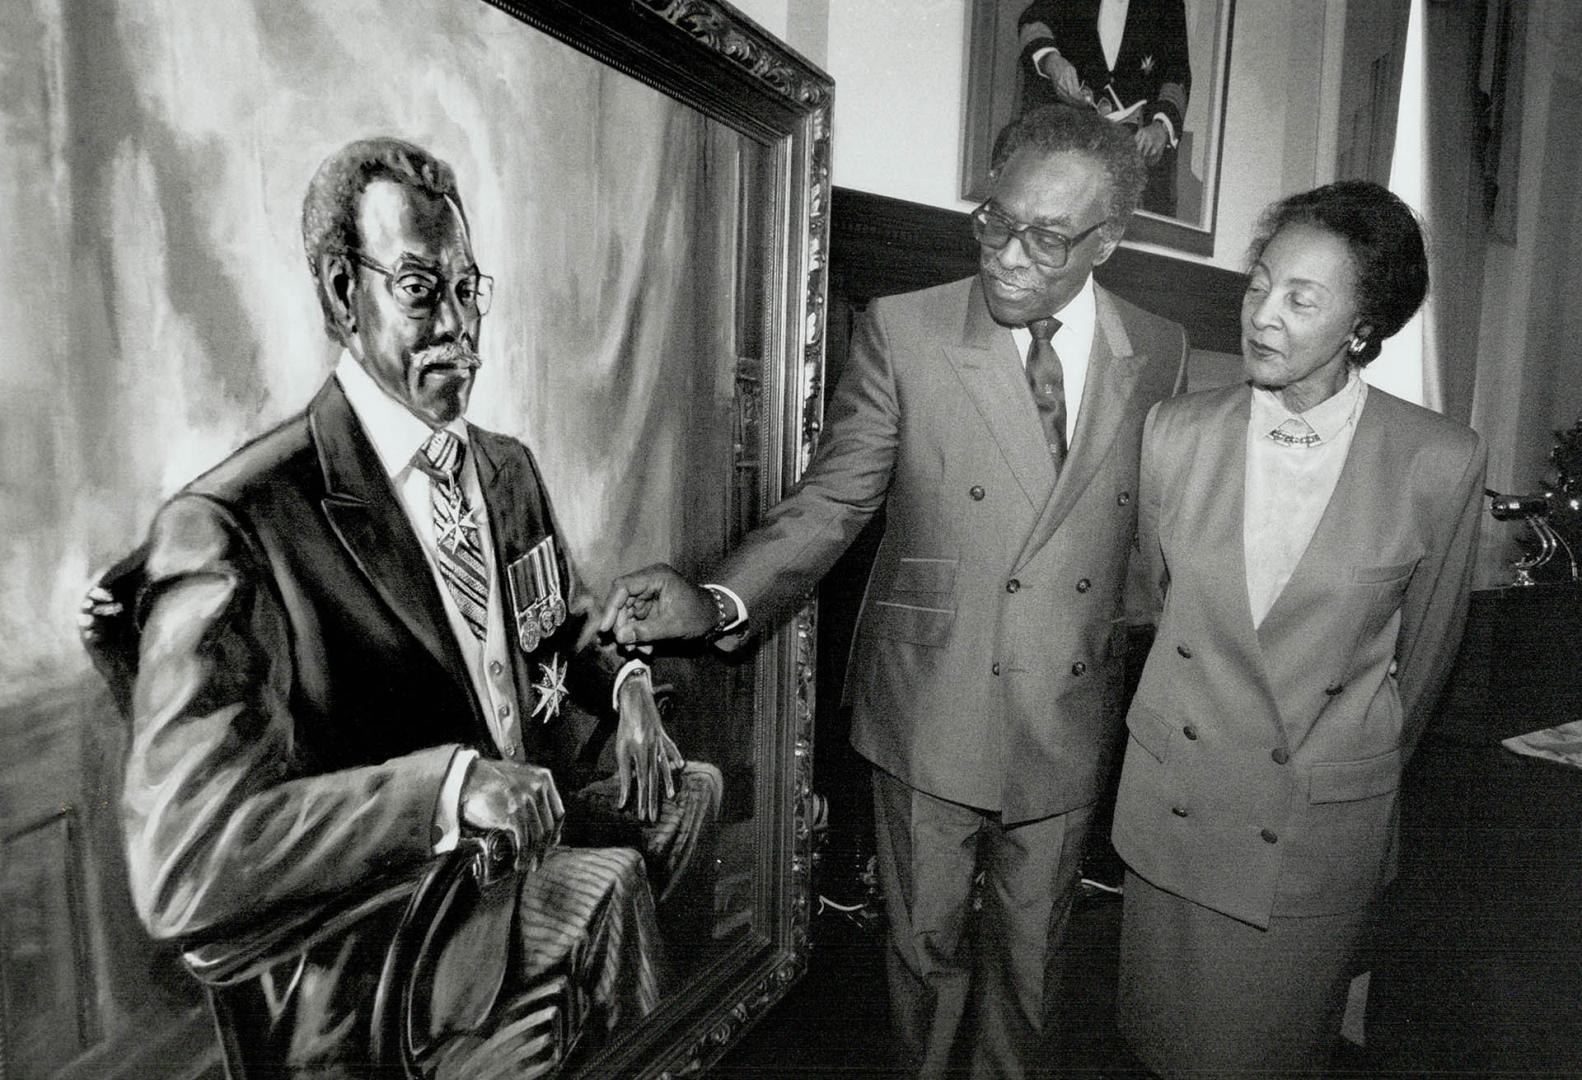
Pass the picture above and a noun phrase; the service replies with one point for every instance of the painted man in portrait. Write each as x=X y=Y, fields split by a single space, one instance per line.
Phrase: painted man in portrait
x=362 y=636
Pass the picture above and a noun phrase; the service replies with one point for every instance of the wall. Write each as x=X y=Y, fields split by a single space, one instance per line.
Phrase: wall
x=1528 y=379
x=899 y=69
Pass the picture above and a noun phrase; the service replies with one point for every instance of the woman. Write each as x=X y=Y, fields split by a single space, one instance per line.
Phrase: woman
x=1312 y=543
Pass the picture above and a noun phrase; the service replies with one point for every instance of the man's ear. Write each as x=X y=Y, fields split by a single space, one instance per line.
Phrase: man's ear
x=338 y=279
x=1107 y=246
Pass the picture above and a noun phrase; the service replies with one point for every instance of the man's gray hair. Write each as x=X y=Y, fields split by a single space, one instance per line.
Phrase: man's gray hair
x=1052 y=129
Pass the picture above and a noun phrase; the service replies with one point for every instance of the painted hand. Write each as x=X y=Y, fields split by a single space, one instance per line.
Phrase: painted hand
x=644 y=753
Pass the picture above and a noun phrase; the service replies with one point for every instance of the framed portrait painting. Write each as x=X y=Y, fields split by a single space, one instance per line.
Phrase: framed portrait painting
x=642 y=190
x=1160 y=67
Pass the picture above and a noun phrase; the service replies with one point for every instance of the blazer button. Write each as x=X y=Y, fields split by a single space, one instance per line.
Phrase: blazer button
x=1269 y=837
x=504 y=711
x=1123 y=498
x=1186 y=653
x=1079 y=668
x=994 y=668
x=1083 y=585
x=495 y=667
x=1280 y=755
x=1190 y=732
x=1013 y=585
x=1334 y=688
x=1179 y=811
x=977 y=493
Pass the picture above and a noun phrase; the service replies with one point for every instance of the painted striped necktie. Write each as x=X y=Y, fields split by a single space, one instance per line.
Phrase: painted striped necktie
x=461 y=561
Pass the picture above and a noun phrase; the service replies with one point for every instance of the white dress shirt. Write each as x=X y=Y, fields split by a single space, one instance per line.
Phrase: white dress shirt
x=1288 y=487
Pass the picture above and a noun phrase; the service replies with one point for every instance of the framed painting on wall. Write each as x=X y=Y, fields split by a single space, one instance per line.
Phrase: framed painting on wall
x=646 y=185
x=1160 y=66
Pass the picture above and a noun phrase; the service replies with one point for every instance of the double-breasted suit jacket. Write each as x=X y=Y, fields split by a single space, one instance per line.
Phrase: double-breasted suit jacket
x=300 y=696
x=1263 y=765
x=986 y=658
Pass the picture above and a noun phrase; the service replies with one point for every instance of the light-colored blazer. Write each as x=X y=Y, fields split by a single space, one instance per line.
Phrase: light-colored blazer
x=1263 y=764
x=988 y=652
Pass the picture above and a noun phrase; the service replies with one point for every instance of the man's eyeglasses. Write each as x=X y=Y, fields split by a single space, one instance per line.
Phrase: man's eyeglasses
x=1044 y=246
x=418 y=291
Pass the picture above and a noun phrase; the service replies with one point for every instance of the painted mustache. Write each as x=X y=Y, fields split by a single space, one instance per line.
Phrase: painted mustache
x=451 y=354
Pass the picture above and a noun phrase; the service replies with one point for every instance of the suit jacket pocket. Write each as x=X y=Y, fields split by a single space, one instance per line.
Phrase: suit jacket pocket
x=1349 y=781
x=1150 y=730
x=913 y=575
x=1378 y=575
x=913 y=622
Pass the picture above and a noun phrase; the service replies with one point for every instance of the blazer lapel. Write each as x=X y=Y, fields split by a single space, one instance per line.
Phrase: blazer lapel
x=365 y=513
x=1111 y=381
x=1223 y=499
x=989 y=368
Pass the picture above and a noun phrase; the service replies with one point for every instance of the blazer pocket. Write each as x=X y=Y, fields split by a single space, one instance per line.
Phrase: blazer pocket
x=1348 y=781
x=1376 y=575
x=1150 y=731
x=923 y=575
x=912 y=622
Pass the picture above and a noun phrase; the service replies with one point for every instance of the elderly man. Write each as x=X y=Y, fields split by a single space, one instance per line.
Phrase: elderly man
x=997 y=420
x=360 y=636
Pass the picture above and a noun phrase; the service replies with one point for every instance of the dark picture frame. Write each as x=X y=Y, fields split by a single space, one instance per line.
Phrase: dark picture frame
x=994 y=95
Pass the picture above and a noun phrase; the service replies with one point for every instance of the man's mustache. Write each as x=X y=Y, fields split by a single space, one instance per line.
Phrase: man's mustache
x=453 y=354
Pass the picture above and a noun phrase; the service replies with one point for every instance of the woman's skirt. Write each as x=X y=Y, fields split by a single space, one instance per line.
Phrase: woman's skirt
x=1202 y=994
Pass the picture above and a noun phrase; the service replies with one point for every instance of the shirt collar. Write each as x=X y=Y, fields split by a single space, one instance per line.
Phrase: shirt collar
x=1328 y=418
x=395 y=432
x=1079 y=314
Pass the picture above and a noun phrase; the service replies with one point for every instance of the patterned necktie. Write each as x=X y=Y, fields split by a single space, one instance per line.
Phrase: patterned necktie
x=460 y=553
x=1048 y=383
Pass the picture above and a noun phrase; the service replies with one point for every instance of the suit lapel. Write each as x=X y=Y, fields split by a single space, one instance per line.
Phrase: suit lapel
x=989 y=368
x=1223 y=499
x=1111 y=381
x=365 y=513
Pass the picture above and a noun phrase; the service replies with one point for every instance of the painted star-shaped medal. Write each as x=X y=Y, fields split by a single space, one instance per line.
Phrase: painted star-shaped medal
x=552 y=692
x=458 y=530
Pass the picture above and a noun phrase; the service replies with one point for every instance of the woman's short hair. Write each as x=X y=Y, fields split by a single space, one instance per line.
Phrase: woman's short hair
x=329 y=210
x=1386 y=245
x=1051 y=129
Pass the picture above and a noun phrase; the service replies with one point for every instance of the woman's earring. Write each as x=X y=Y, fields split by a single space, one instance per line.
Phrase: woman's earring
x=1356 y=345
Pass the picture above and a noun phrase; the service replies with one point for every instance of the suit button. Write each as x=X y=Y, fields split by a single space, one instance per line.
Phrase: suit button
x=976 y=491
x=1078 y=668
x=1179 y=811
x=1269 y=837
x=1280 y=755
x=1083 y=585
x=504 y=711
x=1186 y=653
x=1123 y=498
x=495 y=667
x=1190 y=732
x=1013 y=585
x=1334 y=688
x=995 y=667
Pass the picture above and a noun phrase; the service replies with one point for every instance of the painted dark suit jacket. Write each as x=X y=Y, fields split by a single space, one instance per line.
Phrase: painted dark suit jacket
x=987 y=658
x=1264 y=763
x=300 y=693
x=1152 y=63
